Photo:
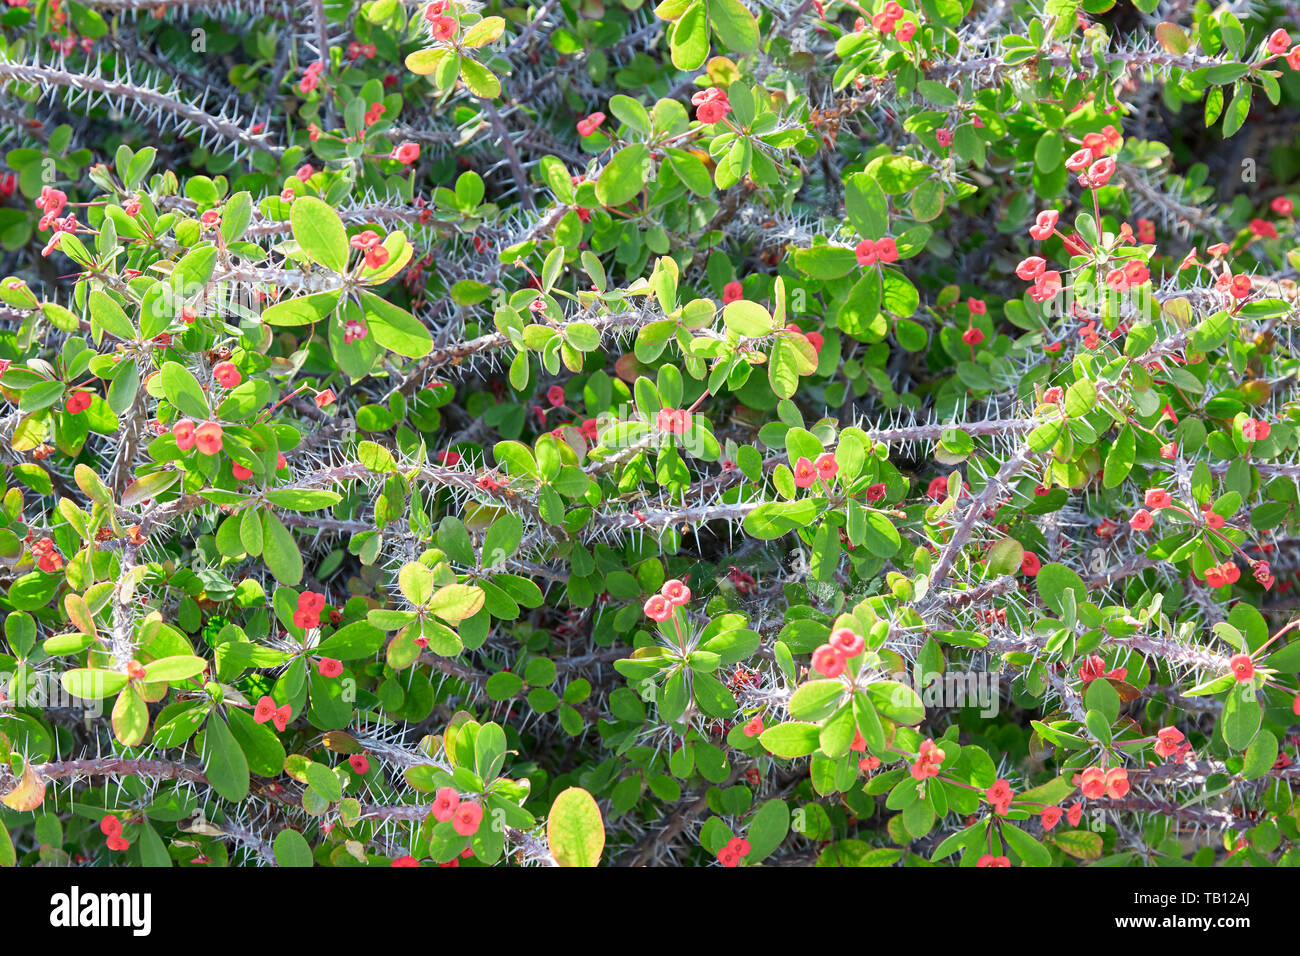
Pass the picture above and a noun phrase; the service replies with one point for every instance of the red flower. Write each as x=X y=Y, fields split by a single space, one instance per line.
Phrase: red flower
x=927 y=763
x=1051 y=817
x=828 y=661
x=588 y=125
x=227 y=375
x=264 y=710
x=675 y=592
x=110 y=826
x=329 y=667
x=405 y=861
x=1242 y=667
x=1255 y=430
x=1158 y=498
x=1099 y=173
x=359 y=763
x=1117 y=785
x=827 y=466
x=1030 y=565
x=1141 y=520
x=468 y=816
x=282 y=717
x=1044 y=224
x=972 y=336
x=1031 y=268
x=1263 y=229
x=1093 y=783
x=658 y=609
x=1079 y=160
x=848 y=642
x=732 y=292
x=1168 y=740
x=711 y=105
x=999 y=795
x=805 y=473
x=443 y=29
x=887 y=250
x=555 y=395
x=754 y=727
x=407 y=153
x=988 y=859
x=1281 y=205
x=208 y=438
x=78 y=401
x=866 y=252
x=1074 y=814
x=1278 y=41
x=240 y=472
x=445 y=802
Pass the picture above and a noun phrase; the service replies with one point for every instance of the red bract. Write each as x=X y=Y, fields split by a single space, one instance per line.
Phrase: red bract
x=657 y=608
x=847 y=642
x=207 y=438
x=1044 y=224
x=1242 y=667
x=77 y=402
x=467 y=818
x=828 y=661
x=928 y=761
x=676 y=593
x=805 y=473
x=264 y=710
x=445 y=803
x=226 y=374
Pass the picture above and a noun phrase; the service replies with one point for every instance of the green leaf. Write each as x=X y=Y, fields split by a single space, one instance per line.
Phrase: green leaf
x=791 y=739
x=455 y=602
x=224 y=763
x=575 y=830
x=1027 y=848
x=481 y=81
x=182 y=390
x=304 y=310
x=734 y=25
x=767 y=830
x=92 y=683
x=624 y=177
x=319 y=232
x=394 y=328
x=747 y=319
x=108 y=315
x=688 y=43
x=291 y=849
x=1242 y=715
x=280 y=551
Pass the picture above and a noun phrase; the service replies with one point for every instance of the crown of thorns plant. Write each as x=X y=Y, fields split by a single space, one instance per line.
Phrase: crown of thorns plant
x=721 y=433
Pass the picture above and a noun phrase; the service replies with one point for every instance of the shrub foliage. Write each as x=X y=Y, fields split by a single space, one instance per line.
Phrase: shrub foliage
x=729 y=432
